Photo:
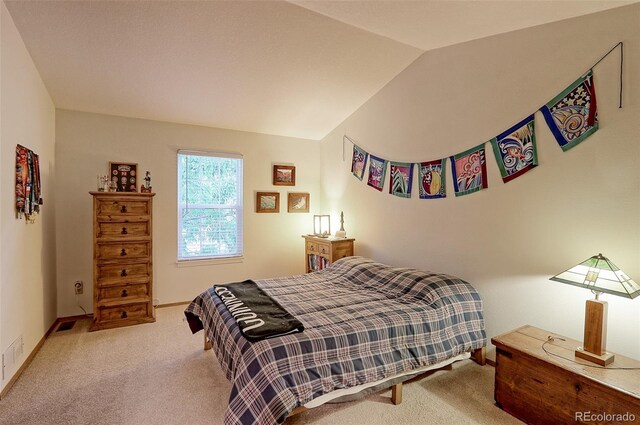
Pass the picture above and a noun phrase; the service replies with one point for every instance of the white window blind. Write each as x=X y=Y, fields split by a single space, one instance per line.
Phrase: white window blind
x=209 y=205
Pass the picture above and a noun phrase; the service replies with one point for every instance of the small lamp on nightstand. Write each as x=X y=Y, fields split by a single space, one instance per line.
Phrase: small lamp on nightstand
x=599 y=275
x=321 y=225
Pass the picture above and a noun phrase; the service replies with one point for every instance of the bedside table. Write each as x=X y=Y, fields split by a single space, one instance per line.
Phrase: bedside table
x=539 y=388
x=321 y=252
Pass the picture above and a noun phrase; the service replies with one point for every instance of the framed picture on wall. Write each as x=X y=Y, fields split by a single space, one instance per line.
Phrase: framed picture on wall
x=298 y=202
x=124 y=175
x=267 y=202
x=284 y=175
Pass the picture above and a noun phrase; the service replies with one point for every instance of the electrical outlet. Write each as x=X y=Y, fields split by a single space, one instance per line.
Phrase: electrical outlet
x=79 y=287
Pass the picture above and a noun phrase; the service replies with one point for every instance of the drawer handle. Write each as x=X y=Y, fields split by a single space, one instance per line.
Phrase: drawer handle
x=123 y=209
x=125 y=293
x=311 y=248
x=123 y=273
x=123 y=252
x=124 y=231
x=123 y=315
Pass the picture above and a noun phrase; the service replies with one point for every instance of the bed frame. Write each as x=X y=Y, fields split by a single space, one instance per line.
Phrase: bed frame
x=479 y=356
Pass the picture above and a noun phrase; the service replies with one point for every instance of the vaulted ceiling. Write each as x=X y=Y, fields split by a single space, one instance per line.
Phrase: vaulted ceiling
x=286 y=68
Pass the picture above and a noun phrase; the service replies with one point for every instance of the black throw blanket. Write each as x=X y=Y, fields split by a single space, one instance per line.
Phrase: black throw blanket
x=257 y=314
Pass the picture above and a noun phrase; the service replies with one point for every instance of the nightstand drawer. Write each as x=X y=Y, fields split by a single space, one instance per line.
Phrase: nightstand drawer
x=312 y=247
x=324 y=249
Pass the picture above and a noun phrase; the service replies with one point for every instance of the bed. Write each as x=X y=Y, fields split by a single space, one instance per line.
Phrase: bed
x=365 y=322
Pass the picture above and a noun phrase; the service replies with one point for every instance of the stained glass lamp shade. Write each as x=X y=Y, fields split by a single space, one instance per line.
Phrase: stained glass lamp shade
x=599 y=275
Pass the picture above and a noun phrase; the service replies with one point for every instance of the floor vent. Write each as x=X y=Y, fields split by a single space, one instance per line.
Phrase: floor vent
x=65 y=326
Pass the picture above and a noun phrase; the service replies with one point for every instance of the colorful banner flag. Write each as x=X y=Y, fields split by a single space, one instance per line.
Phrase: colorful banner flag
x=358 y=162
x=572 y=115
x=401 y=179
x=515 y=149
x=377 y=170
x=431 y=179
x=469 y=171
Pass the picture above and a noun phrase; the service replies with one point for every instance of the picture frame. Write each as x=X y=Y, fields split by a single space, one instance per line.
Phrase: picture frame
x=125 y=175
x=267 y=202
x=298 y=202
x=284 y=175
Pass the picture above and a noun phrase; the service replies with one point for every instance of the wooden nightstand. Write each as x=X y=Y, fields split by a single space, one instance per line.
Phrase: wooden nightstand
x=539 y=388
x=321 y=252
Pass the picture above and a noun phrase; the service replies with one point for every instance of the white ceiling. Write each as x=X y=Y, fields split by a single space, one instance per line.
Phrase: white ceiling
x=268 y=66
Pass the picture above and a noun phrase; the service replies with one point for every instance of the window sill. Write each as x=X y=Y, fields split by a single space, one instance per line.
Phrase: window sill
x=209 y=261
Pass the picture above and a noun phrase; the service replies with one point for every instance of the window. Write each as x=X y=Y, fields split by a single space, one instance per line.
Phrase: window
x=209 y=205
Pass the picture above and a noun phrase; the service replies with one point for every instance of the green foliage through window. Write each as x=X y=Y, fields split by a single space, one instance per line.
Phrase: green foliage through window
x=209 y=206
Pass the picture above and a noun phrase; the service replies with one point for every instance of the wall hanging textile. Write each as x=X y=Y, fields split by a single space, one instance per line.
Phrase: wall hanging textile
x=431 y=178
x=469 y=170
x=28 y=188
x=358 y=162
x=571 y=116
x=515 y=150
x=401 y=179
x=377 y=171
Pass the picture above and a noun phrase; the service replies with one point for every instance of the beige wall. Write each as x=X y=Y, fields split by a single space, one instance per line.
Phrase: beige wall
x=509 y=239
x=85 y=143
x=27 y=267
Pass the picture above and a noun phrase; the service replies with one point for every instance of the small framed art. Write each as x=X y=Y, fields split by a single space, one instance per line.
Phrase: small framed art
x=124 y=175
x=284 y=175
x=298 y=202
x=267 y=202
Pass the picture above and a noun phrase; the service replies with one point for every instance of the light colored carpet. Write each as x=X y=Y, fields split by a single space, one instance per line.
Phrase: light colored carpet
x=159 y=374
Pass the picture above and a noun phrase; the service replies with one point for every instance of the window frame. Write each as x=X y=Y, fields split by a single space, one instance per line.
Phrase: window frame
x=239 y=207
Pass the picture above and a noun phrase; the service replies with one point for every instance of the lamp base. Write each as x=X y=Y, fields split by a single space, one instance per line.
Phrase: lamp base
x=603 y=360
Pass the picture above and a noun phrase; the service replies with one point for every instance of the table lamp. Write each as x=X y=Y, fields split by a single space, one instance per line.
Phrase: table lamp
x=321 y=225
x=599 y=275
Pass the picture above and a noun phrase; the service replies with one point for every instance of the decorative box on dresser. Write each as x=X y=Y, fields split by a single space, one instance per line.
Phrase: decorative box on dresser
x=540 y=381
x=321 y=252
x=122 y=259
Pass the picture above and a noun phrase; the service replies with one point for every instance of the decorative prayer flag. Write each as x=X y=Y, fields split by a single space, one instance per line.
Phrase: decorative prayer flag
x=515 y=149
x=401 y=179
x=431 y=176
x=469 y=171
x=572 y=115
x=377 y=170
x=358 y=162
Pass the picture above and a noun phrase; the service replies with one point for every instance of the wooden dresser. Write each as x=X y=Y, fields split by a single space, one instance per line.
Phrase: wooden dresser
x=541 y=388
x=122 y=259
x=321 y=252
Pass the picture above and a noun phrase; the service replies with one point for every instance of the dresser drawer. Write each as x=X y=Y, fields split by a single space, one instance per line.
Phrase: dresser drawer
x=123 y=312
x=122 y=273
x=122 y=250
x=123 y=229
x=123 y=293
x=121 y=207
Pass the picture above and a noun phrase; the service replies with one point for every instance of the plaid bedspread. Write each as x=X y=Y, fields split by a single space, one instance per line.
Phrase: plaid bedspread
x=364 y=321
